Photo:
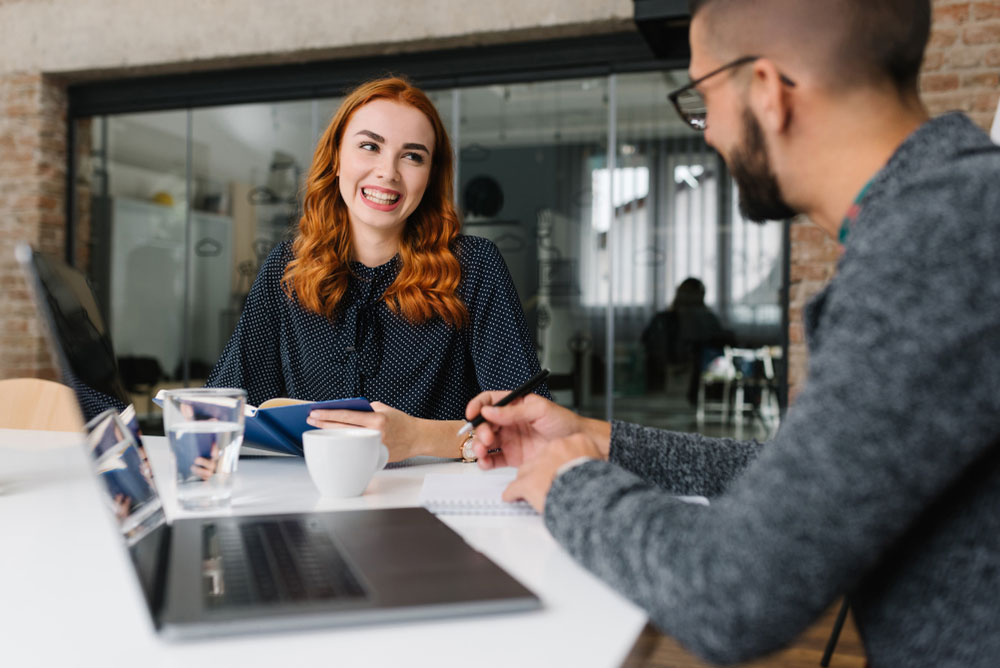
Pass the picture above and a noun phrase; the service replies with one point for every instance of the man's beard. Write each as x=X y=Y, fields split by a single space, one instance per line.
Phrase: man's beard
x=760 y=195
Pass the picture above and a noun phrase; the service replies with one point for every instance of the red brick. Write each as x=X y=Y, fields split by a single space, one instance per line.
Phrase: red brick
x=988 y=33
x=933 y=61
x=992 y=58
x=12 y=325
x=938 y=82
x=964 y=57
x=798 y=361
x=23 y=94
x=21 y=79
x=22 y=356
x=48 y=203
x=985 y=101
x=982 y=11
x=801 y=292
x=942 y=37
x=827 y=253
x=810 y=272
x=942 y=102
x=984 y=119
x=807 y=233
x=951 y=14
x=32 y=174
x=989 y=80
x=22 y=296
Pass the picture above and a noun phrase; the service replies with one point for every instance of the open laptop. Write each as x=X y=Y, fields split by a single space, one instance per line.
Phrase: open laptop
x=240 y=574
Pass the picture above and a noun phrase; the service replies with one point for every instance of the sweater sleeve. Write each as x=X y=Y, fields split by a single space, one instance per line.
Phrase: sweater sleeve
x=251 y=359
x=900 y=403
x=680 y=463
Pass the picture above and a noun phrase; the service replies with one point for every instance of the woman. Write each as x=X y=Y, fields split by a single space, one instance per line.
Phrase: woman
x=378 y=295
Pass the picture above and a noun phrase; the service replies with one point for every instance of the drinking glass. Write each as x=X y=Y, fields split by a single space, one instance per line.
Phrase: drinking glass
x=204 y=427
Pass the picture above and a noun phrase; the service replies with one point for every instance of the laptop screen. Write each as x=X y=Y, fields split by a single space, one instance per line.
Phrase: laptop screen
x=82 y=346
x=82 y=342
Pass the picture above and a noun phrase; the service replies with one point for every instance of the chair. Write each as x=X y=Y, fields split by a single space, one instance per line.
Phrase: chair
x=755 y=376
x=740 y=372
x=141 y=375
x=34 y=403
x=838 y=625
x=721 y=371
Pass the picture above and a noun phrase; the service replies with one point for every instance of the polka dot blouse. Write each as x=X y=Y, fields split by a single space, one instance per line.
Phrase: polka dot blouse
x=430 y=370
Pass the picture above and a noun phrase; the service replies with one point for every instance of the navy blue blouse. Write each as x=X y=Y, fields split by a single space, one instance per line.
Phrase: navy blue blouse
x=430 y=370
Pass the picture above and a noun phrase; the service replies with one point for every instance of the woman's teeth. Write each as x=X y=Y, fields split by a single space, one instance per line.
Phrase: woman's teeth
x=379 y=197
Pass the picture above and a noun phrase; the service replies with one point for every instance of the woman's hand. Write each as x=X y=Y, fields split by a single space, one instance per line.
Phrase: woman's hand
x=523 y=428
x=404 y=435
x=204 y=467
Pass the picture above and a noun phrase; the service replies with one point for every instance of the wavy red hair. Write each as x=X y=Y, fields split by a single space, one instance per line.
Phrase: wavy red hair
x=427 y=284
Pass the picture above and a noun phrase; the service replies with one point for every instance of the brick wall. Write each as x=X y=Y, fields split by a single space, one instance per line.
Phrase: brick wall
x=83 y=187
x=961 y=72
x=962 y=66
x=32 y=196
x=813 y=262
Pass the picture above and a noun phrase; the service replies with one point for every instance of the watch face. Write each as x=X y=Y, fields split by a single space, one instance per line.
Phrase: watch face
x=468 y=454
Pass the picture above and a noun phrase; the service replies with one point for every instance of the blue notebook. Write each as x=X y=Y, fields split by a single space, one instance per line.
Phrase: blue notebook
x=278 y=423
x=280 y=428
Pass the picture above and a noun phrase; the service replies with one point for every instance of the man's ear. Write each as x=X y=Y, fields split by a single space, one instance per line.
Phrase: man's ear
x=769 y=97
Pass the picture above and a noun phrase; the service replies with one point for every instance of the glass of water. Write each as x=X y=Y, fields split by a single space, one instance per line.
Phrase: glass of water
x=204 y=427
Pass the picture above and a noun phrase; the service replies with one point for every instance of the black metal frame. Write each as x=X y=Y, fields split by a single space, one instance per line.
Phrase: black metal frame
x=664 y=24
x=595 y=55
x=786 y=278
x=70 y=191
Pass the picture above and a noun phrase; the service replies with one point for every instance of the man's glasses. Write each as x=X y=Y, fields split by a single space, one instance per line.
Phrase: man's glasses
x=691 y=105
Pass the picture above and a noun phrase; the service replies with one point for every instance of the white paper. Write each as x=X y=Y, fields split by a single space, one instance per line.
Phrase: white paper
x=463 y=494
x=995 y=132
x=453 y=494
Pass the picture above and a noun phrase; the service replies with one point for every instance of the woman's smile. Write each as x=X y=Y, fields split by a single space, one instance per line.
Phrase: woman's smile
x=382 y=199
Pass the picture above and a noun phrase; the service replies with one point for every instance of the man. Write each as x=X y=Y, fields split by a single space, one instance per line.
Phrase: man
x=883 y=481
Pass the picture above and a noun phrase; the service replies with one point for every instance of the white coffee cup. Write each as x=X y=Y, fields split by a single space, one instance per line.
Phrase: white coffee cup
x=341 y=462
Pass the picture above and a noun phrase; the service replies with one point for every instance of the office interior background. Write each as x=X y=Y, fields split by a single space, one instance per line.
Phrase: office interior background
x=161 y=151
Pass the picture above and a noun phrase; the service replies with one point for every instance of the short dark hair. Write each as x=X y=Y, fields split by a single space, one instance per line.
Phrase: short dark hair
x=872 y=39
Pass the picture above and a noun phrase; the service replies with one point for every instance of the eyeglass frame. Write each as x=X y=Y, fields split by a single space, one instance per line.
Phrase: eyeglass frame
x=675 y=95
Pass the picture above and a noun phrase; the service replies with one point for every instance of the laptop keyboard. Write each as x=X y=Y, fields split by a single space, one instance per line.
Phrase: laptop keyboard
x=273 y=561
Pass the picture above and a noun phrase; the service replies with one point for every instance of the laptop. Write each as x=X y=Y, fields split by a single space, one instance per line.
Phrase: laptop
x=208 y=576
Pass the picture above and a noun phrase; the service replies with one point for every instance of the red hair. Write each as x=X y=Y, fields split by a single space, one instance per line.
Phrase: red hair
x=428 y=280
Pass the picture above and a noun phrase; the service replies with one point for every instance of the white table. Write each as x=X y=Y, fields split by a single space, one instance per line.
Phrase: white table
x=68 y=596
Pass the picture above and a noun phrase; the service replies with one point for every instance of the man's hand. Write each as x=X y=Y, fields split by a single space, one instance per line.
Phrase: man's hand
x=535 y=476
x=519 y=430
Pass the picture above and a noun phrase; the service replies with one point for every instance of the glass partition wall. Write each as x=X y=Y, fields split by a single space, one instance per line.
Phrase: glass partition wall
x=185 y=205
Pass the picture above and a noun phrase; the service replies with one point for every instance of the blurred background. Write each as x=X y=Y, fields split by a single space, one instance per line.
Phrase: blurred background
x=161 y=149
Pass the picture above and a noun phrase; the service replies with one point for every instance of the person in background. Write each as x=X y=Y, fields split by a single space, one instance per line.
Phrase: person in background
x=687 y=333
x=883 y=481
x=379 y=295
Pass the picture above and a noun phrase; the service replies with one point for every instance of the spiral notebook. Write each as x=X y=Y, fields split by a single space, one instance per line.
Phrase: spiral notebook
x=458 y=494
x=471 y=494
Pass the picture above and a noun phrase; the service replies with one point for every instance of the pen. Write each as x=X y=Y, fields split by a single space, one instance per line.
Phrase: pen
x=527 y=387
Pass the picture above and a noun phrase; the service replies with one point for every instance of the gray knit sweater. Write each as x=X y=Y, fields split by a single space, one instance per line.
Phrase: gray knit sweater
x=884 y=479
